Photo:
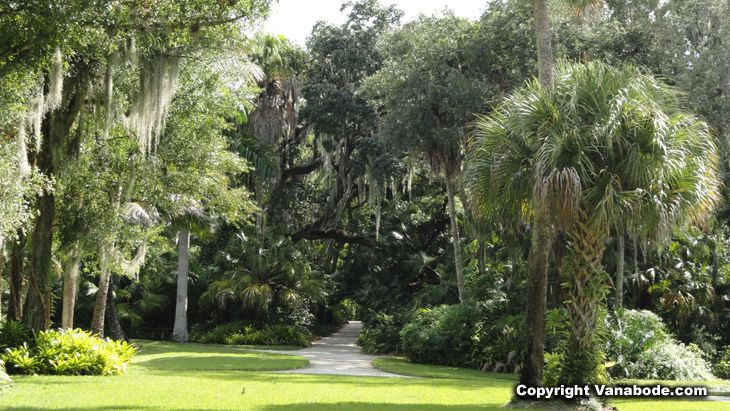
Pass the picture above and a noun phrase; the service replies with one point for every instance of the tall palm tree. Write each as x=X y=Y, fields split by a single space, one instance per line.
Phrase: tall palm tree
x=541 y=230
x=605 y=144
x=185 y=215
x=280 y=64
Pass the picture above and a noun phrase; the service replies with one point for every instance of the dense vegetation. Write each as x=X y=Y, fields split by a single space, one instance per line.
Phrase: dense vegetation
x=164 y=176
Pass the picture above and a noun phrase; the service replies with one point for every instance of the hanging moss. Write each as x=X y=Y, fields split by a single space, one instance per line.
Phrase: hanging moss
x=55 y=84
x=22 y=142
x=158 y=83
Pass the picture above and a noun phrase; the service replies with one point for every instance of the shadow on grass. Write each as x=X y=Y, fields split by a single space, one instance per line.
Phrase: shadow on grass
x=400 y=365
x=326 y=380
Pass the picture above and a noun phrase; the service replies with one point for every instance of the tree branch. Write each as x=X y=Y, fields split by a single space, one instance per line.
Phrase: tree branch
x=334 y=234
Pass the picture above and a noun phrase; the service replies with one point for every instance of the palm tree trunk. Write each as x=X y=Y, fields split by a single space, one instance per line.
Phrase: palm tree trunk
x=715 y=265
x=260 y=205
x=620 y=253
x=1 y=288
x=97 y=322
x=180 y=329
x=15 y=304
x=587 y=291
x=637 y=281
x=544 y=44
x=455 y=240
x=532 y=365
x=481 y=255
x=70 y=277
x=111 y=315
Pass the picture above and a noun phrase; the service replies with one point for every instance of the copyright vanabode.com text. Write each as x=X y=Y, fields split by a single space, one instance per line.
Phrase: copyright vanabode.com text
x=572 y=391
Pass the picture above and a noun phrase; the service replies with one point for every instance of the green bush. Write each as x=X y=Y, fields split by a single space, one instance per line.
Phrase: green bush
x=381 y=338
x=69 y=352
x=241 y=333
x=219 y=334
x=668 y=360
x=447 y=335
x=638 y=346
x=722 y=366
x=13 y=334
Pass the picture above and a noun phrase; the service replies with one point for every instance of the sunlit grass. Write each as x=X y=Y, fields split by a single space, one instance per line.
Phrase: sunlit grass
x=171 y=356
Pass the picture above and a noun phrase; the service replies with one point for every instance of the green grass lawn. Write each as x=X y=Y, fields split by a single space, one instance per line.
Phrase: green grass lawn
x=168 y=376
x=402 y=366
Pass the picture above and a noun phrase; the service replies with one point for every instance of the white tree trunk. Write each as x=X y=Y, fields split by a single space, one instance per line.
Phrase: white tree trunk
x=70 y=277
x=457 y=243
x=180 y=330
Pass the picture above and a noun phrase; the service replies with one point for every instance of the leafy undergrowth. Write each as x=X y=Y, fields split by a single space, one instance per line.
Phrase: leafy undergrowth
x=68 y=352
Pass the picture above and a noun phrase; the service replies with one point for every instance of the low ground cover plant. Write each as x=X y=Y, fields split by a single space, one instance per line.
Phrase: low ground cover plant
x=68 y=352
x=245 y=333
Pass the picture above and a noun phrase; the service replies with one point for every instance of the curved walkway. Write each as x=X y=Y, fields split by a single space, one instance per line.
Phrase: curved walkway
x=338 y=354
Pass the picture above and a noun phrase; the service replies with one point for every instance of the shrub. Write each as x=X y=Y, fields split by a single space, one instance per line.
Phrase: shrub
x=381 y=332
x=13 y=334
x=381 y=338
x=69 y=352
x=502 y=343
x=722 y=366
x=446 y=335
x=241 y=333
x=668 y=360
x=219 y=334
x=639 y=346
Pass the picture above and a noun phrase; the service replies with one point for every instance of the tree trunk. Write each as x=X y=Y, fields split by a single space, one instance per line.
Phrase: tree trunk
x=540 y=249
x=559 y=251
x=481 y=255
x=70 y=277
x=532 y=366
x=620 y=252
x=1 y=284
x=37 y=310
x=111 y=314
x=97 y=322
x=15 y=304
x=587 y=291
x=544 y=44
x=715 y=265
x=180 y=330
x=637 y=280
x=260 y=205
x=456 y=242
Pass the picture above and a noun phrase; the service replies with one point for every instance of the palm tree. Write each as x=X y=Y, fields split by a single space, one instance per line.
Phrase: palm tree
x=259 y=277
x=541 y=230
x=185 y=215
x=605 y=144
x=280 y=64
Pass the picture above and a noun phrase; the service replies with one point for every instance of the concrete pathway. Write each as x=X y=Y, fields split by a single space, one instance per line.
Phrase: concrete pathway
x=338 y=354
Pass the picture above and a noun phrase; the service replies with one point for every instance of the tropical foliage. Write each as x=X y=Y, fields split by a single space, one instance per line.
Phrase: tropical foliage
x=168 y=172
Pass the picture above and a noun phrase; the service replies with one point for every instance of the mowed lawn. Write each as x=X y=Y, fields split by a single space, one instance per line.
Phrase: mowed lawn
x=168 y=376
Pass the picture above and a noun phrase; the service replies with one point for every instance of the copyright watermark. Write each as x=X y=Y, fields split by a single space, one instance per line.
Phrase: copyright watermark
x=574 y=391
